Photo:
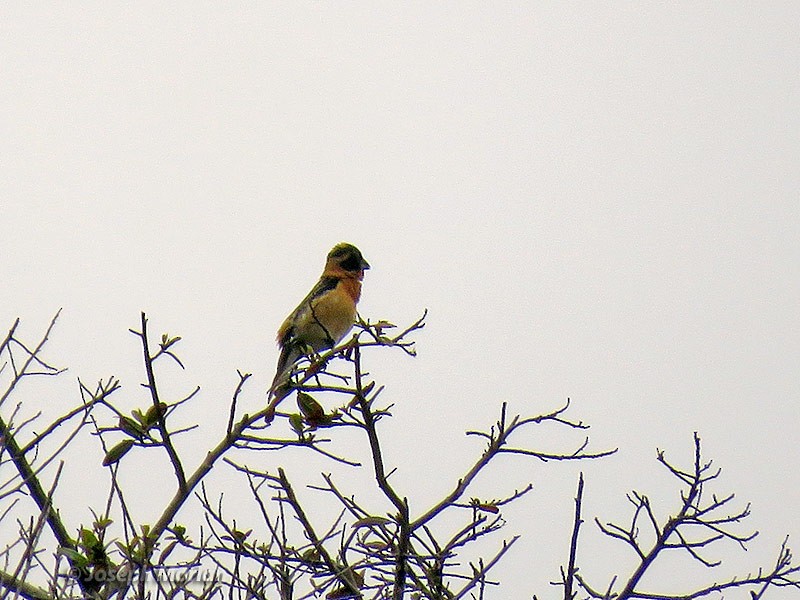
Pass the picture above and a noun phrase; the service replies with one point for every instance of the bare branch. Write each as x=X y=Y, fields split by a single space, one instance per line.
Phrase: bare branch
x=162 y=423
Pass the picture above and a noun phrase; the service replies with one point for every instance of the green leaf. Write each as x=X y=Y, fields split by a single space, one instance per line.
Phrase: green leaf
x=154 y=413
x=296 y=421
x=311 y=409
x=370 y=521
x=74 y=557
x=88 y=538
x=179 y=531
x=167 y=551
x=311 y=556
x=167 y=341
x=130 y=426
x=117 y=452
x=241 y=536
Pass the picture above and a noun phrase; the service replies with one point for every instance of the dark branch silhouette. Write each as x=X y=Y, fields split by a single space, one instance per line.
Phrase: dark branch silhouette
x=328 y=539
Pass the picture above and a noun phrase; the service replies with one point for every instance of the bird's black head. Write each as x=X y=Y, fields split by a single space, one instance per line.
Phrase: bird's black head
x=348 y=258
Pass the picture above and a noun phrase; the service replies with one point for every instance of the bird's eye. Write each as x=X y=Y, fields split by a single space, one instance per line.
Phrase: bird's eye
x=351 y=263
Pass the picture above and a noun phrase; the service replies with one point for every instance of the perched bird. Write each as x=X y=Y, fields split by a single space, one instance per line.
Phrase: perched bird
x=325 y=316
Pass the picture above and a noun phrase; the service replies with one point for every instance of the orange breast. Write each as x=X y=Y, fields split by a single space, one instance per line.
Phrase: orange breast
x=352 y=287
x=333 y=315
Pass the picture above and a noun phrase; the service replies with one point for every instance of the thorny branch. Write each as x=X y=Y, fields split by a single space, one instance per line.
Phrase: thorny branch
x=401 y=504
x=498 y=439
x=157 y=404
x=699 y=522
x=568 y=574
x=379 y=546
x=30 y=477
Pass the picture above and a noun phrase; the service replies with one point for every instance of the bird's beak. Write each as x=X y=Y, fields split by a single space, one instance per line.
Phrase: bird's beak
x=364 y=265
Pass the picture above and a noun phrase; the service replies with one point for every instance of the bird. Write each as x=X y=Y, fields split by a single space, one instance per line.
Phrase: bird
x=325 y=315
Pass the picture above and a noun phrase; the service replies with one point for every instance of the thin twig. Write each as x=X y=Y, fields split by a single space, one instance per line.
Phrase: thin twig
x=569 y=576
x=162 y=417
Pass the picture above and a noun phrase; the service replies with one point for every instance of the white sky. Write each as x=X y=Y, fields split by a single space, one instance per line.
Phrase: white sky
x=594 y=200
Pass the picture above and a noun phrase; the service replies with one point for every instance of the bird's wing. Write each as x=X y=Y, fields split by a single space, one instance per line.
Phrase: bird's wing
x=291 y=351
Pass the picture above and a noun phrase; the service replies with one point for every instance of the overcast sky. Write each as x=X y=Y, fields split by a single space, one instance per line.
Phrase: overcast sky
x=595 y=200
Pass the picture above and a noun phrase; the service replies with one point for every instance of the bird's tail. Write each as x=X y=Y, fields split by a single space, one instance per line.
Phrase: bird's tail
x=289 y=356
